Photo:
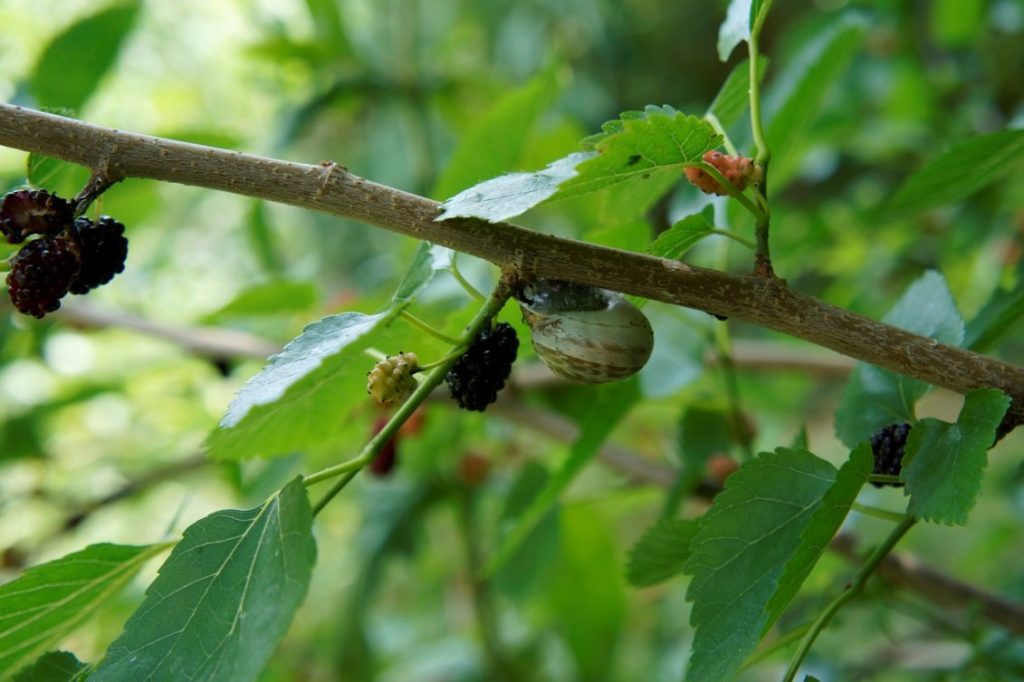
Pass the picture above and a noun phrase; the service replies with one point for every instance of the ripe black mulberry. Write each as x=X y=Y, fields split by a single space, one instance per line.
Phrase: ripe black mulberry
x=103 y=248
x=888 y=445
x=478 y=375
x=25 y=211
x=41 y=274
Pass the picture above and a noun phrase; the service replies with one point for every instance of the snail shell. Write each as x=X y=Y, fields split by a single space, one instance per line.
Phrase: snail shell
x=585 y=334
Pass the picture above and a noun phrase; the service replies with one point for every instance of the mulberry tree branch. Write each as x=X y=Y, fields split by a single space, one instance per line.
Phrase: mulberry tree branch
x=330 y=188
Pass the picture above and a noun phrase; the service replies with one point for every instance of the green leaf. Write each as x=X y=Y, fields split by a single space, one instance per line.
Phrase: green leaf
x=539 y=551
x=943 y=463
x=502 y=131
x=635 y=148
x=661 y=552
x=429 y=260
x=961 y=171
x=56 y=666
x=223 y=599
x=509 y=195
x=586 y=592
x=270 y=298
x=736 y=27
x=733 y=97
x=824 y=524
x=740 y=551
x=998 y=318
x=876 y=397
x=610 y=405
x=801 y=90
x=48 y=601
x=638 y=144
x=299 y=398
x=674 y=242
x=74 y=63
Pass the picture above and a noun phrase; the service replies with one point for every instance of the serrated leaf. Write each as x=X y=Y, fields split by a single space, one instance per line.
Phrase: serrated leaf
x=961 y=171
x=290 y=403
x=610 y=405
x=741 y=548
x=800 y=91
x=74 y=62
x=661 y=552
x=56 y=666
x=822 y=527
x=674 y=242
x=270 y=298
x=429 y=260
x=735 y=29
x=48 y=601
x=507 y=196
x=223 y=599
x=634 y=148
x=658 y=139
x=943 y=463
x=502 y=130
x=876 y=397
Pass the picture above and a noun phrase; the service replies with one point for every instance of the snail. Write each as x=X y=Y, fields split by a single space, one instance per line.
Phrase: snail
x=586 y=334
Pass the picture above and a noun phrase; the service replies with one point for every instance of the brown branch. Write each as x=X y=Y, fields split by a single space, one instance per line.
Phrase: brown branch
x=901 y=568
x=332 y=189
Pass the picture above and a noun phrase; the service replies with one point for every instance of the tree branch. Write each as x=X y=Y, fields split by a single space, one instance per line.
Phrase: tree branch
x=330 y=188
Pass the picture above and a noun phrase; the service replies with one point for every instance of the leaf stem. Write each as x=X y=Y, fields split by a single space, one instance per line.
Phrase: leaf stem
x=717 y=126
x=730 y=188
x=350 y=468
x=427 y=328
x=849 y=594
x=763 y=260
x=756 y=124
x=878 y=512
x=735 y=237
x=457 y=274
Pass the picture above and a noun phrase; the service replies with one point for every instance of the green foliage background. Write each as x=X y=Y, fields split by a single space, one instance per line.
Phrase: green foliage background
x=433 y=97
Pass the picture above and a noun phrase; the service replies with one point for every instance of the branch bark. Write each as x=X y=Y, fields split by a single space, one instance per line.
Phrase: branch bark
x=330 y=188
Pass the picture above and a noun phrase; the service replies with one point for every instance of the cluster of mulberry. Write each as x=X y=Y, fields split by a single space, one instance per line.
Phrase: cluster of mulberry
x=69 y=256
x=478 y=375
x=887 y=445
x=739 y=170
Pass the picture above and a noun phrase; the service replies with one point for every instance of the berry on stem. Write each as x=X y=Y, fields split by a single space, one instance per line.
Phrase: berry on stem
x=41 y=274
x=391 y=380
x=479 y=373
x=387 y=457
x=739 y=170
x=24 y=212
x=103 y=249
x=888 y=445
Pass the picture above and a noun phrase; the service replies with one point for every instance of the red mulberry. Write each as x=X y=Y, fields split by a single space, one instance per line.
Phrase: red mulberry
x=103 y=250
x=24 y=212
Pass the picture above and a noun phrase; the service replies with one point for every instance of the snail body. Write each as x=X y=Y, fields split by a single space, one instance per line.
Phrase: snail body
x=586 y=334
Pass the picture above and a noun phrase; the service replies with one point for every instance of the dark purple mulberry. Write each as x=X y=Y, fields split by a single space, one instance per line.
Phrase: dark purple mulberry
x=888 y=444
x=478 y=375
x=41 y=273
x=103 y=249
x=25 y=211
